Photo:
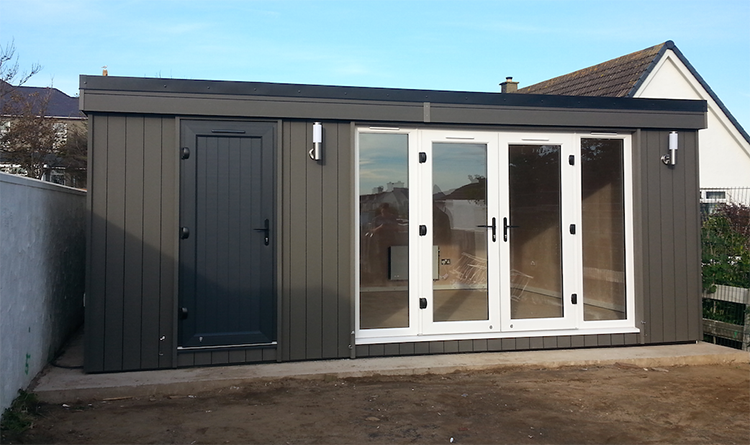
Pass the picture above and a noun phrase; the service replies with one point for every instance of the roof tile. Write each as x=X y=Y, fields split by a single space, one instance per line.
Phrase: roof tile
x=614 y=78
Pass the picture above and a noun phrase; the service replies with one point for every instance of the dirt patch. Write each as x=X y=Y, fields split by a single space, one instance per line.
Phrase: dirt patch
x=613 y=404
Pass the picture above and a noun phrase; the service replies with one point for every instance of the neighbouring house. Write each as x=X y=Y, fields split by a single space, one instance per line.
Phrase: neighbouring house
x=662 y=71
x=54 y=105
x=245 y=222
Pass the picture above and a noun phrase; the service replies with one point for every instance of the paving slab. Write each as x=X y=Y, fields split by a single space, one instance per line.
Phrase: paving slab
x=61 y=385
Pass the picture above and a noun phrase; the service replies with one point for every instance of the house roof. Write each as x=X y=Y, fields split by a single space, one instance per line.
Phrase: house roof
x=618 y=77
x=621 y=77
x=60 y=104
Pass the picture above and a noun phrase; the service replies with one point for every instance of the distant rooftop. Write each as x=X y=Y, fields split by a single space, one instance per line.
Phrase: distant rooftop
x=60 y=104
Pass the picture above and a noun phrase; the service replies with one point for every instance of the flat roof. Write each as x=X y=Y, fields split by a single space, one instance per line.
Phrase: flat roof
x=264 y=100
x=331 y=92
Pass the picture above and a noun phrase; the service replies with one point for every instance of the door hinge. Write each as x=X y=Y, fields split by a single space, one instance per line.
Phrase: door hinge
x=422 y=157
x=184 y=233
x=422 y=303
x=422 y=230
x=572 y=160
x=574 y=298
x=183 y=313
x=572 y=229
x=184 y=153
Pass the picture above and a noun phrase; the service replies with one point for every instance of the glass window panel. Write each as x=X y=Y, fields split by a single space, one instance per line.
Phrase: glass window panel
x=535 y=239
x=384 y=224
x=603 y=231
x=459 y=205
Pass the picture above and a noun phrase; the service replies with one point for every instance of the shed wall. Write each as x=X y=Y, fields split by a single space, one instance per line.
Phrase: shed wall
x=317 y=266
x=131 y=253
x=668 y=200
x=131 y=312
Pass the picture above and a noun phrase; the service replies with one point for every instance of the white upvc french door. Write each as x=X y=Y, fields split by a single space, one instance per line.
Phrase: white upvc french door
x=479 y=233
x=540 y=231
x=455 y=198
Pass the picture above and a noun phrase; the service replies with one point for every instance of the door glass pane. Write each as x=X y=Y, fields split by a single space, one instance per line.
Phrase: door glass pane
x=459 y=205
x=603 y=229
x=384 y=224
x=535 y=238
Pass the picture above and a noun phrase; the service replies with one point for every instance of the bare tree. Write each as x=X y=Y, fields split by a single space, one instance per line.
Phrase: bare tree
x=31 y=142
x=72 y=156
x=9 y=70
x=29 y=137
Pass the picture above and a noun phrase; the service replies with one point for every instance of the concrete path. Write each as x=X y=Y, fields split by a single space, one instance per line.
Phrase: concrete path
x=60 y=385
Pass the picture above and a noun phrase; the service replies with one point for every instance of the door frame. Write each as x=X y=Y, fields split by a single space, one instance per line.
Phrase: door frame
x=570 y=214
x=424 y=209
x=572 y=323
x=189 y=130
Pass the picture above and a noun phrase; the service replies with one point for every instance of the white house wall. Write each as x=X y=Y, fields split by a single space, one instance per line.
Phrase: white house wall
x=724 y=152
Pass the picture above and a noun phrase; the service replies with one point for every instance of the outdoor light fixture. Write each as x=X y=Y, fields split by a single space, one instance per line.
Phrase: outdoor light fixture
x=316 y=153
x=671 y=158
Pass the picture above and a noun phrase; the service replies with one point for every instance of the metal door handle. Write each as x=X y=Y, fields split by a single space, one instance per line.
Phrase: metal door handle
x=493 y=227
x=266 y=231
x=506 y=226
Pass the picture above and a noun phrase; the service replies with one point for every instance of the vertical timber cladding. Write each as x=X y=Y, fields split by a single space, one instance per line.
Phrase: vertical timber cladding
x=670 y=222
x=317 y=234
x=130 y=279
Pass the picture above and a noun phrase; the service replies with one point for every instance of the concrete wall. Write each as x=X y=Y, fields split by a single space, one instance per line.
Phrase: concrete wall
x=42 y=276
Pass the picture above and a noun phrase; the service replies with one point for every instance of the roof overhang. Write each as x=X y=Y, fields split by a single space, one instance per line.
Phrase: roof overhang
x=180 y=97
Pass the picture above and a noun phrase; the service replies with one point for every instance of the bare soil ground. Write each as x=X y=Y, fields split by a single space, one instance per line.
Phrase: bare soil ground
x=611 y=404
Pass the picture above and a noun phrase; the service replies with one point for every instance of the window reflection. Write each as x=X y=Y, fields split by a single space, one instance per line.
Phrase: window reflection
x=459 y=205
x=603 y=231
x=535 y=239
x=384 y=224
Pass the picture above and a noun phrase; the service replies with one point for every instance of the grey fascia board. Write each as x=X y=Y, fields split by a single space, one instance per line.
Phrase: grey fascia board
x=248 y=106
x=358 y=110
x=562 y=117
x=346 y=93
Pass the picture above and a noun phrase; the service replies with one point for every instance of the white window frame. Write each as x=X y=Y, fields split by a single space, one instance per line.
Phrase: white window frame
x=571 y=209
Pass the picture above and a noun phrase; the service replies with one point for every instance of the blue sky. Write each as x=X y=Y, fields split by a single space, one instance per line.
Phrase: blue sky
x=446 y=45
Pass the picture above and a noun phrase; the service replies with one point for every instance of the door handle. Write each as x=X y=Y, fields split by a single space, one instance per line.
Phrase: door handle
x=266 y=231
x=506 y=226
x=493 y=227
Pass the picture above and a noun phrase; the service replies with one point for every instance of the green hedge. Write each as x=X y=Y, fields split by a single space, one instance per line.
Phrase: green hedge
x=725 y=239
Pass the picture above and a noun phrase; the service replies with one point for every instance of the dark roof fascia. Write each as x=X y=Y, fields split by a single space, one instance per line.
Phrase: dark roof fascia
x=671 y=45
x=348 y=93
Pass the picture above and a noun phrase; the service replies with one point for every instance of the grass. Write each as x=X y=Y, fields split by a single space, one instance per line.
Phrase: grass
x=19 y=417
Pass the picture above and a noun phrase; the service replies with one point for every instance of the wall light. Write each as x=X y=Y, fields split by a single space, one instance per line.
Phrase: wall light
x=671 y=158
x=316 y=153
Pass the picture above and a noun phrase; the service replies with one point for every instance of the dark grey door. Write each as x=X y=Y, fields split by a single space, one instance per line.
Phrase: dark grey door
x=227 y=259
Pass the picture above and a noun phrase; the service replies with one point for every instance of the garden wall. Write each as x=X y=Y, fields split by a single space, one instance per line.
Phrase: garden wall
x=42 y=276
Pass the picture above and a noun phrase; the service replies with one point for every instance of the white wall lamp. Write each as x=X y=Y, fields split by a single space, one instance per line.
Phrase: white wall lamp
x=671 y=158
x=316 y=153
